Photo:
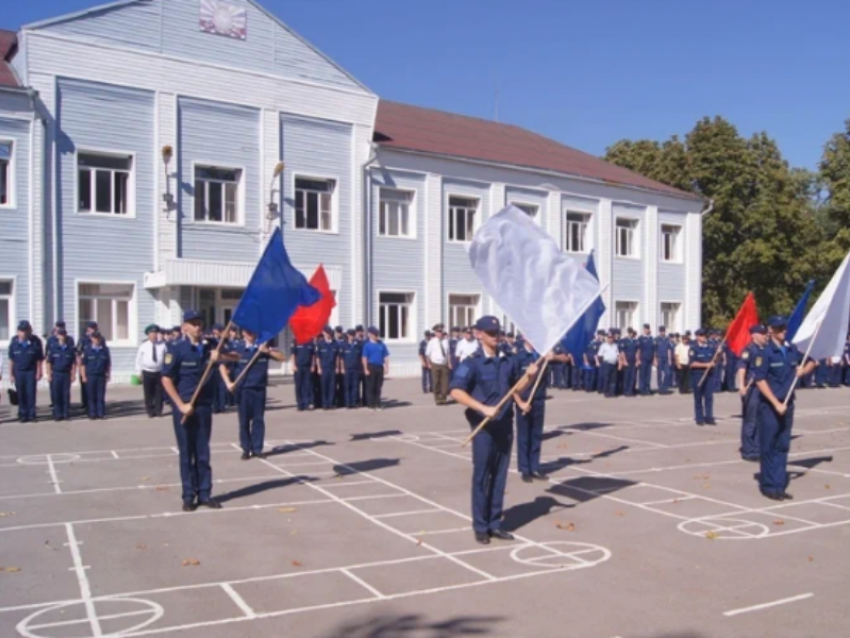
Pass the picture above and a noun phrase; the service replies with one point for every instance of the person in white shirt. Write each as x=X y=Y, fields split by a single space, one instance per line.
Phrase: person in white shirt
x=149 y=366
x=609 y=356
x=682 y=359
x=467 y=346
x=437 y=360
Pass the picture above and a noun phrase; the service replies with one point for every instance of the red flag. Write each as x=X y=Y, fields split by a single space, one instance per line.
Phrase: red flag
x=738 y=334
x=308 y=321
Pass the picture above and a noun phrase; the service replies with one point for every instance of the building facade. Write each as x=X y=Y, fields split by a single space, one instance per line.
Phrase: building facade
x=140 y=145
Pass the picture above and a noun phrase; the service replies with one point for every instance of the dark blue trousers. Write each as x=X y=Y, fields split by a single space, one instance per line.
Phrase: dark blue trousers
x=316 y=380
x=835 y=376
x=96 y=388
x=251 y=403
x=351 y=387
x=491 y=456
x=703 y=395
x=25 y=384
x=60 y=394
x=303 y=387
x=576 y=377
x=328 y=381
x=731 y=370
x=749 y=428
x=529 y=437
x=590 y=383
x=646 y=377
x=846 y=374
x=629 y=374
x=775 y=439
x=664 y=377
x=193 y=441
x=426 y=380
x=609 y=379
x=220 y=392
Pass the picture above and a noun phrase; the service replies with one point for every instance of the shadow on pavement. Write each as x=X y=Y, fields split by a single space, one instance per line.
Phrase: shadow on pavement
x=285 y=449
x=365 y=436
x=415 y=626
x=262 y=487
x=521 y=515
x=365 y=466
x=587 y=488
x=391 y=404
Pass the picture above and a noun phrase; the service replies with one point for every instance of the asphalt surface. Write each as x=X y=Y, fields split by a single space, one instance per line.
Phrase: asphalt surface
x=356 y=526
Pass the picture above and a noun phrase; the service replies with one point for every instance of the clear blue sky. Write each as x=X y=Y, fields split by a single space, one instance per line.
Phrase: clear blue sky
x=588 y=73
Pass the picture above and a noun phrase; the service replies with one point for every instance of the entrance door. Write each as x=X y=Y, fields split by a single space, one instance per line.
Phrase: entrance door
x=206 y=305
x=229 y=300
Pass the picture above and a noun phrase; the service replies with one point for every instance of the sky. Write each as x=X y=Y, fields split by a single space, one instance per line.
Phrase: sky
x=587 y=72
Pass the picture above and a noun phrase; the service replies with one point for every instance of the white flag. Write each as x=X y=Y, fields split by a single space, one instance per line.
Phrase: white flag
x=541 y=289
x=832 y=312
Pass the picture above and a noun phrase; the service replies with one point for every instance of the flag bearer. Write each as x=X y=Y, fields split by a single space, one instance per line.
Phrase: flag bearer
x=701 y=357
x=750 y=395
x=663 y=360
x=302 y=363
x=646 y=356
x=351 y=364
x=480 y=382
x=61 y=368
x=327 y=354
x=251 y=391
x=25 y=368
x=530 y=414
x=776 y=367
x=182 y=371
x=96 y=364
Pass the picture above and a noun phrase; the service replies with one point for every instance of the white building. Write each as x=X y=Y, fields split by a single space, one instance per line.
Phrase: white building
x=138 y=146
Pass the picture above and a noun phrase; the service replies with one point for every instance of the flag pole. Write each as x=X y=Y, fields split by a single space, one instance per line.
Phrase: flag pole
x=799 y=367
x=206 y=374
x=250 y=363
x=713 y=359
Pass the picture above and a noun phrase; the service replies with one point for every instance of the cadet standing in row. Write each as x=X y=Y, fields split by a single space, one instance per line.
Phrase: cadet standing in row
x=663 y=360
x=646 y=357
x=96 y=367
x=750 y=395
x=26 y=357
x=350 y=361
x=701 y=358
x=327 y=354
x=423 y=362
x=61 y=365
x=303 y=363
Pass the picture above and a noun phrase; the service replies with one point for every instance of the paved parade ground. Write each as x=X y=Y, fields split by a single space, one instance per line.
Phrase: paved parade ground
x=357 y=525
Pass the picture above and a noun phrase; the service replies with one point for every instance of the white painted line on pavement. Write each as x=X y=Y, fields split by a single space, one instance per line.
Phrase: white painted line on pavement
x=775 y=603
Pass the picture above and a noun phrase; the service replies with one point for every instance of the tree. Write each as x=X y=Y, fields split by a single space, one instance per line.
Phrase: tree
x=834 y=182
x=763 y=234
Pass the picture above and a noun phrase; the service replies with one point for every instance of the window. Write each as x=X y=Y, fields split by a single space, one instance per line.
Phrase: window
x=395 y=220
x=395 y=315
x=529 y=209
x=463 y=310
x=314 y=204
x=627 y=237
x=670 y=242
x=575 y=233
x=103 y=183
x=462 y=218
x=670 y=316
x=7 y=304
x=625 y=313
x=217 y=194
x=109 y=306
x=5 y=173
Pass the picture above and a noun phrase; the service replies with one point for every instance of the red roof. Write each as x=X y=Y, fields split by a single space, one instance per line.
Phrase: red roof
x=413 y=128
x=8 y=39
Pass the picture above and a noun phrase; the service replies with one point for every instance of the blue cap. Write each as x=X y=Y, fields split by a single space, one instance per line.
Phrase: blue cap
x=24 y=325
x=601 y=333
x=60 y=324
x=455 y=329
x=177 y=329
x=217 y=326
x=510 y=335
x=92 y=325
x=646 y=326
x=191 y=315
x=373 y=331
x=359 y=327
x=97 y=335
x=351 y=332
x=488 y=323
x=662 y=329
x=328 y=330
x=338 y=329
x=699 y=332
x=757 y=330
x=777 y=321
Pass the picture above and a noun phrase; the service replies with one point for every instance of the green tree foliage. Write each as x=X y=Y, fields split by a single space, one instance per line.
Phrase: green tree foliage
x=834 y=185
x=763 y=234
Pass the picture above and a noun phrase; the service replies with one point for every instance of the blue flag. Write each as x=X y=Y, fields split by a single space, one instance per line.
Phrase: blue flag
x=581 y=334
x=796 y=318
x=275 y=291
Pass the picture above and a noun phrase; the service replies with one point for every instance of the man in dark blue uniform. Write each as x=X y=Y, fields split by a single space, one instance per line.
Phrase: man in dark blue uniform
x=85 y=340
x=776 y=368
x=530 y=414
x=96 y=365
x=182 y=371
x=61 y=365
x=479 y=383
x=846 y=361
x=251 y=391
x=360 y=337
x=327 y=356
x=629 y=359
x=750 y=395
x=54 y=337
x=730 y=375
x=590 y=369
x=426 y=373
x=350 y=360
x=339 y=382
x=26 y=357
x=303 y=363
x=663 y=360
x=702 y=364
x=646 y=357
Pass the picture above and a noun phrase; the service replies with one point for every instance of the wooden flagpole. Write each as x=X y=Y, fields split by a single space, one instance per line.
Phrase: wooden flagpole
x=713 y=359
x=250 y=363
x=206 y=374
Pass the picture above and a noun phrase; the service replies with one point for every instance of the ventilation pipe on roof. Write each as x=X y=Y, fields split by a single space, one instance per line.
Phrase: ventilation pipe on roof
x=367 y=237
x=709 y=209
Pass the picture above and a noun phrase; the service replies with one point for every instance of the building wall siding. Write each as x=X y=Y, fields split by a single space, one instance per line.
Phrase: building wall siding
x=137 y=25
x=672 y=278
x=458 y=276
x=99 y=248
x=219 y=135
x=629 y=273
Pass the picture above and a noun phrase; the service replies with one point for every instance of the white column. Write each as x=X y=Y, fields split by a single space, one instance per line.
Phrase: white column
x=166 y=134
x=605 y=255
x=650 y=272
x=434 y=238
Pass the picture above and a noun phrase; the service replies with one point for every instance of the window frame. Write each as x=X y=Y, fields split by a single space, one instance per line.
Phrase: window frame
x=677 y=248
x=412 y=328
x=536 y=217
x=411 y=212
x=635 y=256
x=476 y=308
x=12 y=182
x=476 y=217
x=587 y=239
x=676 y=325
x=132 y=310
x=13 y=315
x=635 y=314
x=334 y=230
x=241 y=188
x=131 y=182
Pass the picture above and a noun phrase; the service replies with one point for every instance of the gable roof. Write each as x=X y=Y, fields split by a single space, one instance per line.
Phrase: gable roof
x=413 y=128
x=8 y=42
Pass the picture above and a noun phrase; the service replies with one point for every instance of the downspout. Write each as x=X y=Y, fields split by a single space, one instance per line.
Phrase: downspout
x=707 y=210
x=701 y=216
x=367 y=235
